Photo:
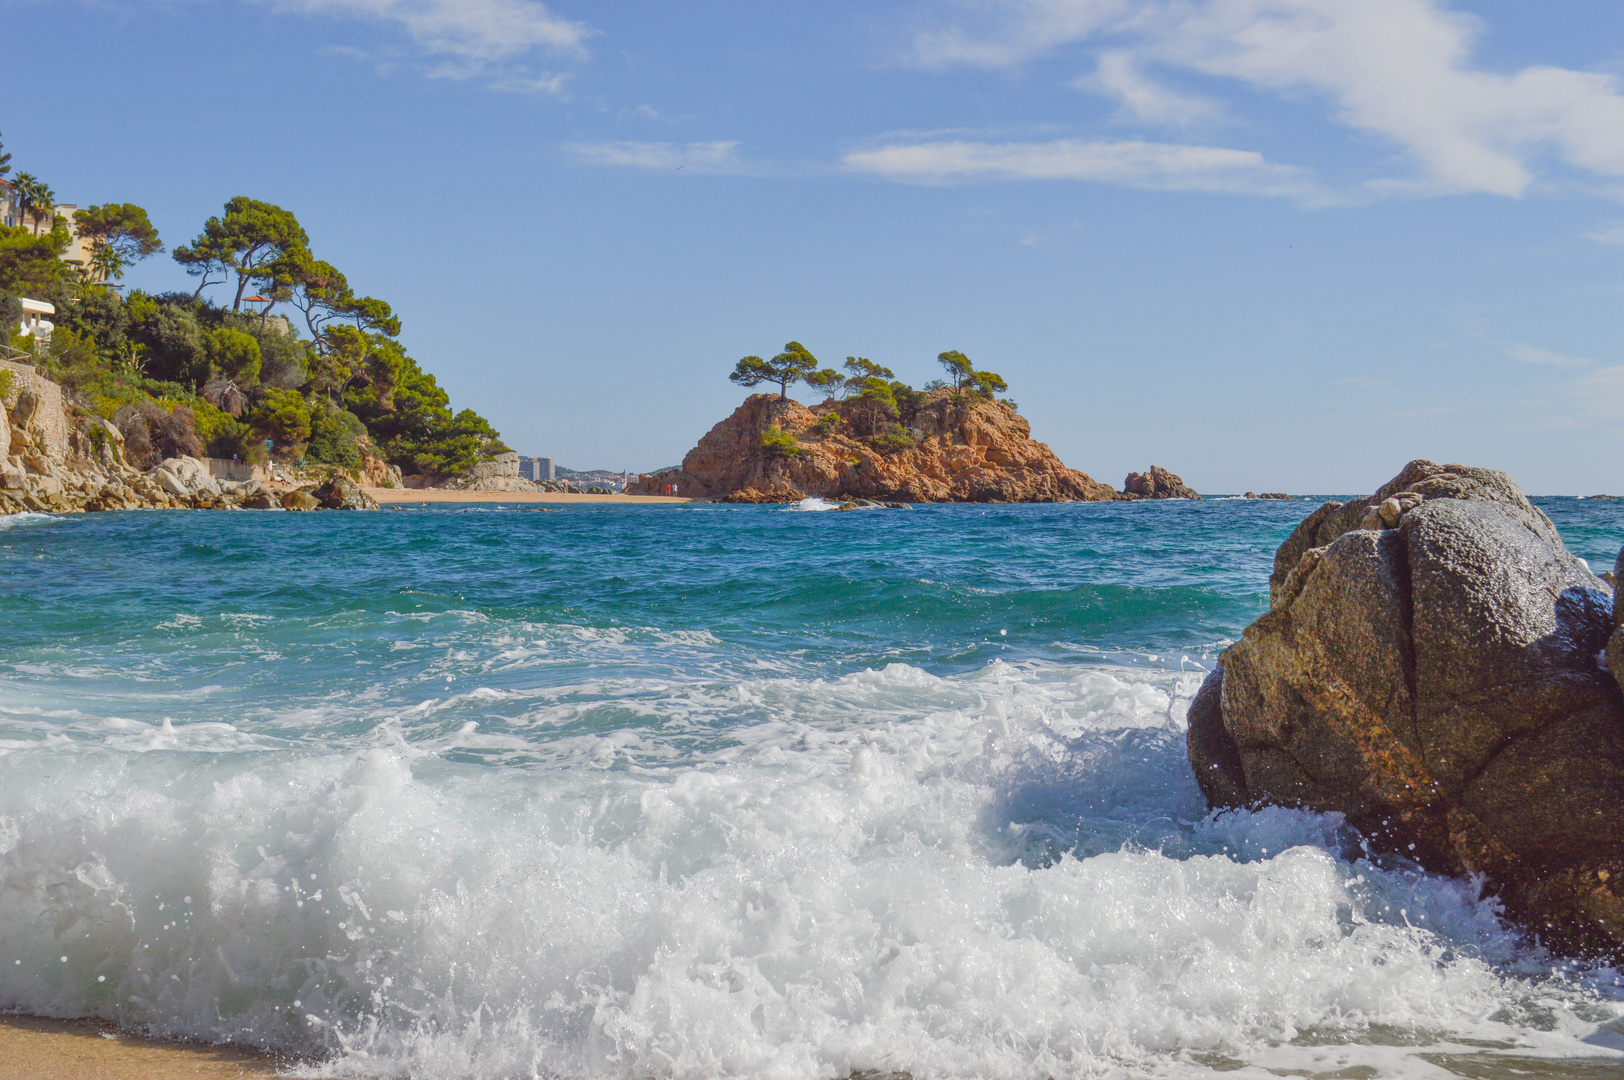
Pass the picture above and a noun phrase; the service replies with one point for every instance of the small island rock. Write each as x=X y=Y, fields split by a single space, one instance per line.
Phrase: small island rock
x=1158 y=483
x=952 y=450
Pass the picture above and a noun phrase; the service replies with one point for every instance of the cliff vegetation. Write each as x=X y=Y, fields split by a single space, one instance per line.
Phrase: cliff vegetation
x=295 y=365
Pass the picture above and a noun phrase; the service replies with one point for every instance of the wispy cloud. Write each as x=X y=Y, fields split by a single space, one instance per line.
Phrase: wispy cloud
x=494 y=39
x=1399 y=69
x=1162 y=166
x=1611 y=233
x=1533 y=354
x=707 y=157
x=1119 y=75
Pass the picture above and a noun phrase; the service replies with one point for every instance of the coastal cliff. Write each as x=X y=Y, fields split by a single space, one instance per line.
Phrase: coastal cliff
x=58 y=460
x=966 y=449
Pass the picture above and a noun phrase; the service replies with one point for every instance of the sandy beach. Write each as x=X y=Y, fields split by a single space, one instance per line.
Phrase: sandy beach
x=386 y=496
x=36 y=1049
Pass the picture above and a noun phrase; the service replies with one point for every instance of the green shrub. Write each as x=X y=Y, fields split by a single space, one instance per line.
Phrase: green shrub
x=779 y=443
x=234 y=354
x=892 y=439
x=334 y=438
x=828 y=422
x=282 y=417
x=6 y=382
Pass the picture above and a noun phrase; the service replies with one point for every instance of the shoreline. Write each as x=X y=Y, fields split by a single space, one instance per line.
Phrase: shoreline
x=38 y=1048
x=406 y=496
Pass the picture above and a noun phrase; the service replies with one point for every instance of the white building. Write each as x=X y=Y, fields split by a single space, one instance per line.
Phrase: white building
x=34 y=322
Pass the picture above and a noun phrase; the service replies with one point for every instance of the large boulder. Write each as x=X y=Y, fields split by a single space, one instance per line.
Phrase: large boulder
x=184 y=477
x=342 y=493
x=1429 y=666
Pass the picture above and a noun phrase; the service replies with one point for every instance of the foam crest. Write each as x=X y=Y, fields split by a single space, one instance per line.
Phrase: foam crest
x=1007 y=873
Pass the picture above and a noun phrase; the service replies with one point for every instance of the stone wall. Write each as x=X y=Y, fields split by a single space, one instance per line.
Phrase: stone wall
x=230 y=469
x=51 y=418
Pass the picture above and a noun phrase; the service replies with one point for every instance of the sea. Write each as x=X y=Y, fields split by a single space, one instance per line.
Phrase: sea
x=500 y=791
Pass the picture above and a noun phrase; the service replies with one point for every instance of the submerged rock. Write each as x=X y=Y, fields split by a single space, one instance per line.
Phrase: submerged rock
x=1429 y=667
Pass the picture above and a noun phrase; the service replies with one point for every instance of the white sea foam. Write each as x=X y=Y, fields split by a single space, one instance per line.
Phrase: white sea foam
x=27 y=517
x=812 y=505
x=1008 y=874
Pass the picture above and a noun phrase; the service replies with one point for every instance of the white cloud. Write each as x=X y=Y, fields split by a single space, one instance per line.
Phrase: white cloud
x=1600 y=394
x=1399 y=69
x=711 y=157
x=999 y=33
x=1611 y=233
x=470 y=37
x=1119 y=75
x=1532 y=354
x=1163 y=166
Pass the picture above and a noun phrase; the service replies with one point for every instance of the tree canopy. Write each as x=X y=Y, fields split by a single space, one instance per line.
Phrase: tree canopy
x=119 y=234
x=188 y=375
x=35 y=201
x=248 y=240
x=966 y=380
x=791 y=366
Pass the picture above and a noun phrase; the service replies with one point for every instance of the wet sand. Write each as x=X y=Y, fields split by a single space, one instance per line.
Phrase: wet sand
x=386 y=496
x=35 y=1049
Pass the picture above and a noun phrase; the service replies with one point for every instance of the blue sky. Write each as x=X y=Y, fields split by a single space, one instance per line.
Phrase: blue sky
x=1269 y=244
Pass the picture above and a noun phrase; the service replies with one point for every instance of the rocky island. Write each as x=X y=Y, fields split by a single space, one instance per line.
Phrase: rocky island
x=771 y=450
x=874 y=438
x=1436 y=665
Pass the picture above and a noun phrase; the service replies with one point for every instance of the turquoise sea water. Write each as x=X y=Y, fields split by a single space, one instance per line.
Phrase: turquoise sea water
x=705 y=791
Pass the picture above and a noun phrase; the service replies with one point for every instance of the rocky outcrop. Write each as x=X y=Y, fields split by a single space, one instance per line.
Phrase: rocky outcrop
x=1429 y=667
x=58 y=461
x=942 y=451
x=342 y=493
x=1158 y=483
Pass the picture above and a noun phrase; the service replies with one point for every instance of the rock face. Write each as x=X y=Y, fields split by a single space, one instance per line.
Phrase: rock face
x=1429 y=667
x=1158 y=483
x=968 y=451
x=58 y=461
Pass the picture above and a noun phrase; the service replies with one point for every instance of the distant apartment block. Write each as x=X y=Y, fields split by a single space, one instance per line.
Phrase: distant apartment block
x=537 y=468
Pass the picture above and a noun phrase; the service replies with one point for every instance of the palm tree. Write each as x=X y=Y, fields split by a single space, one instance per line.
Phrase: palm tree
x=34 y=199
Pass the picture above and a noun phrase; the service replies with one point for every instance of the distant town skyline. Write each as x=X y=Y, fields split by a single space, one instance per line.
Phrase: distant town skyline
x=1267 y=244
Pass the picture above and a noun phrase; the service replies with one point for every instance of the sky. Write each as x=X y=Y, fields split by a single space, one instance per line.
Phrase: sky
x=1272 y=245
